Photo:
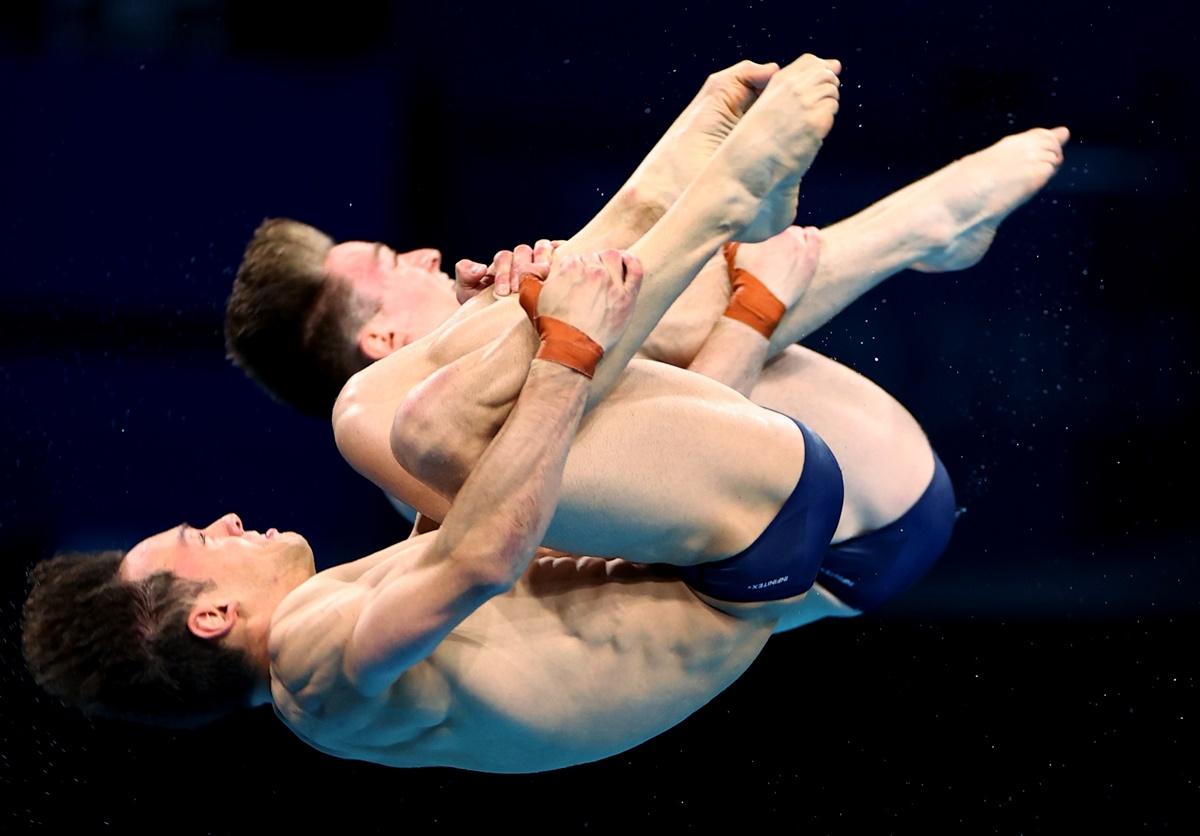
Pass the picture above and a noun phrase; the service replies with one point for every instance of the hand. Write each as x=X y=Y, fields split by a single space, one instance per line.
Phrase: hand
x=786 y=263
x=470 y=279
x=595 y=293
x=505 y=271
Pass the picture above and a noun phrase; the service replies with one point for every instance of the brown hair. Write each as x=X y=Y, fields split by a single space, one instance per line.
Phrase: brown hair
x=289 y=324
x=123 y=649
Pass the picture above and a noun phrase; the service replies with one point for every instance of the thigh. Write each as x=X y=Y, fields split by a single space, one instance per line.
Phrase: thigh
x=885 y=458
x=672 y=467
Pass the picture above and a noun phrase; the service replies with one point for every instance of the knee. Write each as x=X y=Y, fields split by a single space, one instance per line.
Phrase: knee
x=902 y=473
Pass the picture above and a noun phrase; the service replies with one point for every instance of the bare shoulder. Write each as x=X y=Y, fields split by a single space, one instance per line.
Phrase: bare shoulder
x=312 y=626
x=307 y=641
x=311 y=691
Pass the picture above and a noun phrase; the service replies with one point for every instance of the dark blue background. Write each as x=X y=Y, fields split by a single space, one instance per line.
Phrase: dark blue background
x=1044 y=675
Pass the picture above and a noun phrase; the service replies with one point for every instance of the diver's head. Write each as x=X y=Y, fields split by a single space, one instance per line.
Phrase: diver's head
x=305 y=313
x=173 y=632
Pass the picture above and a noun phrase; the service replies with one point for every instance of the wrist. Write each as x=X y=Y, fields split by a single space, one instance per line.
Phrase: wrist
x=551 y=376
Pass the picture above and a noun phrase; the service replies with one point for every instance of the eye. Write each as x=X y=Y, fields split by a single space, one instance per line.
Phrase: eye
x=203 y=539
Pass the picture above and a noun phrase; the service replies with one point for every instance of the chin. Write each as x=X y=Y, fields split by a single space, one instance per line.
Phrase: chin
x=298 y=551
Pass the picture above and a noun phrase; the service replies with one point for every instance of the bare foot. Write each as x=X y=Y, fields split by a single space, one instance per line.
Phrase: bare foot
x=786 y=263
x=699 y=130
x=976 y=193
x=772 y=147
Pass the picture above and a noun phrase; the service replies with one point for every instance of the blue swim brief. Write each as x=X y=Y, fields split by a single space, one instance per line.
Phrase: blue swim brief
x=794 y=552
x=866 y=571
x=784 y=560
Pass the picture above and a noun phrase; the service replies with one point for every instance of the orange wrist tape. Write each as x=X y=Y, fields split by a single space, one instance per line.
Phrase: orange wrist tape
x=566 y=345
x=562 y=342
x=531 y=289
x=751 y=302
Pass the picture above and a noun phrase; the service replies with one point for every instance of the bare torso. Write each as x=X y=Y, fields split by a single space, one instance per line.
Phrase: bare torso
x=584 y=658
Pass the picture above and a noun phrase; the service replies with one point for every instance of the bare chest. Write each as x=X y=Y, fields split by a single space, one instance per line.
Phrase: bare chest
x=571 y=666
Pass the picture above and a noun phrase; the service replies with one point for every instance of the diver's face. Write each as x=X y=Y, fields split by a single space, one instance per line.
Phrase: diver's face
x=247 y=563
x=413 y=294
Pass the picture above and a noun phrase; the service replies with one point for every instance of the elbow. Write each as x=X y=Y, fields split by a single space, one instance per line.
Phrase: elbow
x=409 y=436
x=420 y=441
x=348 y=414
x=479 y=570
x=489 y=563
x=494 y=581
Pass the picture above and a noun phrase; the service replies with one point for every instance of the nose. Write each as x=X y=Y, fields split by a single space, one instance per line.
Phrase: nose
x=428 y=259
x=230 y=525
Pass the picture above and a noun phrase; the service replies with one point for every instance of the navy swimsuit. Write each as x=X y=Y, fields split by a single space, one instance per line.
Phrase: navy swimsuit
x=794 y=551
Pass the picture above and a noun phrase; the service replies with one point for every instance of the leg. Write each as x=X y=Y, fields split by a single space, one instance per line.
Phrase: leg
x=887 y=466
x=885 y=457
x=676 y=158
x=944 y=222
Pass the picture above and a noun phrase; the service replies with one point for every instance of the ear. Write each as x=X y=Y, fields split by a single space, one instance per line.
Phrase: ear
x=378 y=338
x=212 y=619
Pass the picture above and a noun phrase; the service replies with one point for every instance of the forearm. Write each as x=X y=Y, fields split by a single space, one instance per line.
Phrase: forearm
x=445 y=424
x=733 y=354
x=505 y=505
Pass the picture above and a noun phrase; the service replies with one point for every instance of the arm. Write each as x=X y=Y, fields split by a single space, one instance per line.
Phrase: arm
x=445 y=423
x=732 y=354
x=490 y=534
x=486 y=541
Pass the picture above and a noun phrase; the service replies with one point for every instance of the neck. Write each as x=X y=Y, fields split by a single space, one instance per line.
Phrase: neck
x=262 y=691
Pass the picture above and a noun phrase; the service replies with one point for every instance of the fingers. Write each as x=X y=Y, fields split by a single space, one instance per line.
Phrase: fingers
x=468 y=273
x=501 y=269
x=470 y=277
x=633 y=272
x=543 y=251
x=624 y=270
x=509 y=265
x=611 y=259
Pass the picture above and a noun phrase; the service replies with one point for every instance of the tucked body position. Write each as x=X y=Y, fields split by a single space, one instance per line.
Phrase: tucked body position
x=440 y=650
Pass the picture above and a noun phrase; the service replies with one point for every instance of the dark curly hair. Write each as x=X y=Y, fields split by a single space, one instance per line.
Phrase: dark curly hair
x=123 y=649
x=289 y=324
